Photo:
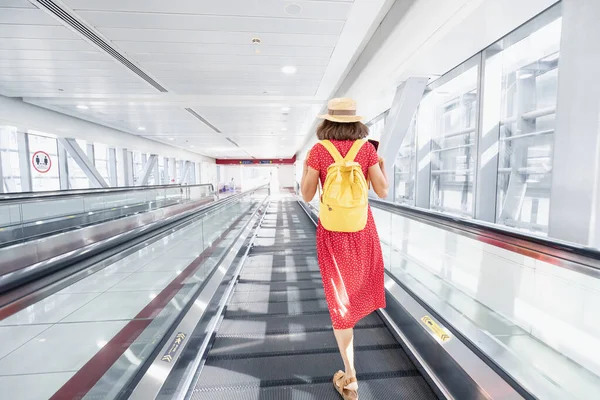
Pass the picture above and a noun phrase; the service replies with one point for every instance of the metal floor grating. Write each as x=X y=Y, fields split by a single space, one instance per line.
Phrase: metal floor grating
x=275 y=340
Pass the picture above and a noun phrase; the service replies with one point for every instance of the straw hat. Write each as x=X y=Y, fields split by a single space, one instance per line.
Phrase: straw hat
x=341 y=110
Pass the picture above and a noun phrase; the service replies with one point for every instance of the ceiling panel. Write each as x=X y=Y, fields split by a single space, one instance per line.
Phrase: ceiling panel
x=232 y=59
x=321 y=10
x=201 y=51
x=243 y=90
x=56 y=64
x=73 y=73
x=216 y=37
x=16 y=4
x=44 y=44
x=169 y=69
x=104 y=19
x=35 y=32
x=218 y=49
x=51 y=55
x=25 y=16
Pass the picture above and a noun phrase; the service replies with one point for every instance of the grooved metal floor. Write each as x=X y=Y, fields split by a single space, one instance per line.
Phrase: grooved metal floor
x=276 y=340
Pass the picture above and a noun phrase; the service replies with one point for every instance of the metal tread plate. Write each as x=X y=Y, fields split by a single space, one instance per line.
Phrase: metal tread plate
x=407 y=387
x=275 y=340
x=273 y=276
x=261 y=286
x=258 y=310
x=295 y=343
x=288 y=261
x=277 y=297
x=297 y=369
x=286 y=324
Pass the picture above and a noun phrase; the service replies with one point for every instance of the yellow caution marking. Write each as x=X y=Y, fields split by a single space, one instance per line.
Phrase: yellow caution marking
x=174 y=347
x=436 y=329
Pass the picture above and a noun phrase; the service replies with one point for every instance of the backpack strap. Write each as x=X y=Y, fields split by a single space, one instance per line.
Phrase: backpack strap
x=354 y=150
x=337 y=157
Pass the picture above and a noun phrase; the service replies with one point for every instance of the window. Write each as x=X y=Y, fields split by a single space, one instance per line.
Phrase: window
x=9 y=156
x=101 y=161
x=448 y=115
x=522 y=75
x=77 y=178
x=48 y=180
x=161 y=171
x=376 y=127
x=405 y=170
x=138 y=167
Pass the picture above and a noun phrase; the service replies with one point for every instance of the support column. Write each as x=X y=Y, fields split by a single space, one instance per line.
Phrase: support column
x=185 y=170
x=82 y=160
x=91 y=153
x=63 y=168
x=130 y=167
x=575 y=194
x=2 y=175
x=112 y=167
x=407 y=99
x=149 y=166
x=166 y=173
x=156 y=173
x=125 y=174
x=172 y=171
x=24 y=161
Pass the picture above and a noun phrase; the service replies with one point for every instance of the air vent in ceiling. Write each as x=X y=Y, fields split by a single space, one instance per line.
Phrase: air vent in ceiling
x=85 y=31
x=195 y=114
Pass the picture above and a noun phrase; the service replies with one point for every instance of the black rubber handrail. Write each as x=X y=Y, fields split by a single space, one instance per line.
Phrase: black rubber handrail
x=33 y=196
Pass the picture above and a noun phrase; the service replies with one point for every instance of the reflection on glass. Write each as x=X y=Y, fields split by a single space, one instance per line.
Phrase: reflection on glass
x=405 y=167
x=523 y=69
x=448 y=114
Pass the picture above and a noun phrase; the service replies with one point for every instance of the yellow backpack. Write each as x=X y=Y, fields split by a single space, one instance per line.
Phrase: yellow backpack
x=345 y=199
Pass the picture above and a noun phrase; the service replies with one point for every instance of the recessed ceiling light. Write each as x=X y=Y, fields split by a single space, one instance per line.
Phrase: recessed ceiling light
x=83 y=107
x=289 y=69
x=284 y=129
x=141 y=128
x=293 y=9
x=286 y=109
x=171 y=138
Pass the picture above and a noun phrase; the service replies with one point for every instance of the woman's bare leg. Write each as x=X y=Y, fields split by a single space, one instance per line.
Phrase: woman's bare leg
x=345 y=341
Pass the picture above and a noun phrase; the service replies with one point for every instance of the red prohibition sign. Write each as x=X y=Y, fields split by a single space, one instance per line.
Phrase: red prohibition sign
x=41 y=162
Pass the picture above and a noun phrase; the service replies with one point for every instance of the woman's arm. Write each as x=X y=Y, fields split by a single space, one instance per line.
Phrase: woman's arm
x=310 y=180
x=379 y=179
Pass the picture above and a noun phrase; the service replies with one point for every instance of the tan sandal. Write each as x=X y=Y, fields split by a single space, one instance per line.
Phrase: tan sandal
x=340 y=382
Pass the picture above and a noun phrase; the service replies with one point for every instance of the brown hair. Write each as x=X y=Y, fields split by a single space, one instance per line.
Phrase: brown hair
x=329 y=130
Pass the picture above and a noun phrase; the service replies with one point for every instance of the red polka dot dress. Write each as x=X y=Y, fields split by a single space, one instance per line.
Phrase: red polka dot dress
x=351 y=264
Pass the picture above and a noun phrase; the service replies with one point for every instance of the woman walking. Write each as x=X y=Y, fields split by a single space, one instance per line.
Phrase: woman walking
x=351 y=263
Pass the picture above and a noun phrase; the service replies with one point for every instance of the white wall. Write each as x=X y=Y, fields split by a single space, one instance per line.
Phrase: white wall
x=30 y=117
x=287 y=175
